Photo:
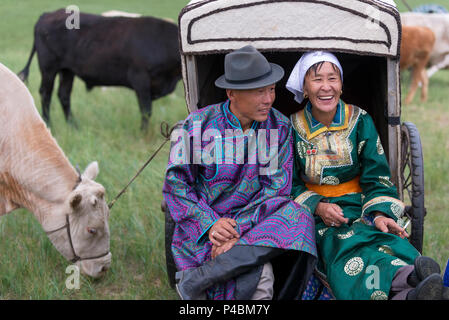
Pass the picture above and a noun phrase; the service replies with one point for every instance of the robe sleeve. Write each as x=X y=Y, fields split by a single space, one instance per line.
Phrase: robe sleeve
x=379 y=193
x=188 y=208
x=300 y=193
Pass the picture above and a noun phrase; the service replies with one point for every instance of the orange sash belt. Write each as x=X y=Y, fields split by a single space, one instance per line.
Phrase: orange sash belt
x=341 y=189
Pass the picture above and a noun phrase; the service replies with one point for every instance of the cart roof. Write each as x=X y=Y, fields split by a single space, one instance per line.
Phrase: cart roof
x=353 y=26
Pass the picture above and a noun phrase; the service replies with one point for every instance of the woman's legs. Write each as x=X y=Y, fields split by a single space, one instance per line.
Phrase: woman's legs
x=417 y=282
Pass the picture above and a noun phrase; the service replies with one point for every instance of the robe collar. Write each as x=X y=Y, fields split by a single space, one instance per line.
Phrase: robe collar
x=232 y=120
x=314 y=127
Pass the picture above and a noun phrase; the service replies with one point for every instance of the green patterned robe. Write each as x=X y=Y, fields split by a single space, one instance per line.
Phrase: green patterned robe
x=359 y=260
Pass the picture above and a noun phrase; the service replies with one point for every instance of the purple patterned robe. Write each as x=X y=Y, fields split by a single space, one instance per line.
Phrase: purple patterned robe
x=198 y=193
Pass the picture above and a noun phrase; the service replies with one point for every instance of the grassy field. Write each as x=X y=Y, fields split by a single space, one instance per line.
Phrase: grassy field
x=109 y=120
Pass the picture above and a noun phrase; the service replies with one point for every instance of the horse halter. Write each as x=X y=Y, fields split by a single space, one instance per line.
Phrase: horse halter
x=69 y=234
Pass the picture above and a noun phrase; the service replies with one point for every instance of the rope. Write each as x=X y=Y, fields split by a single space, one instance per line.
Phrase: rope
x=166 y=133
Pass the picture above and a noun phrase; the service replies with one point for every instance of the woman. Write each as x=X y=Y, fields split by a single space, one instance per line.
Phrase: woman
x=342 y=176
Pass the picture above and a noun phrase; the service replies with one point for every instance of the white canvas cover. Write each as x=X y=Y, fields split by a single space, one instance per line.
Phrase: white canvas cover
x=356 y=26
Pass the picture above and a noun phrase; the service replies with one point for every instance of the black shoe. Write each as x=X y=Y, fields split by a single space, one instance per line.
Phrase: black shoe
x=184 y=290
x=431 y=288
x=445 y=295
x=424 y=267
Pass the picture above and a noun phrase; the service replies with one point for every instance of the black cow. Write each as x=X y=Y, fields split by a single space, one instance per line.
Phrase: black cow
x=138 y=53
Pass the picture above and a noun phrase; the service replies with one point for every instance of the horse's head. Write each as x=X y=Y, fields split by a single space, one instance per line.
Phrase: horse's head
x=84 y=239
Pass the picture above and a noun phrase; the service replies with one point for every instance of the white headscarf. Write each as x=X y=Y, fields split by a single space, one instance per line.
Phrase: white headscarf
x=296 y=80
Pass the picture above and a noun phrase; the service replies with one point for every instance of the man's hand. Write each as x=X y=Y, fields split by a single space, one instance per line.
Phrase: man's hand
x=223 y=231
x=331 y=214
x=388 y=225
x=217 y=250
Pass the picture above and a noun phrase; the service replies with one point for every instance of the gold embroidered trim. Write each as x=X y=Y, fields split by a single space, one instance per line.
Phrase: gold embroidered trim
x=304 y=196
x=397 y=206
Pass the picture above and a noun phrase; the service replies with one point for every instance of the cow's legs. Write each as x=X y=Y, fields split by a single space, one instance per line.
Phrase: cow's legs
x=65 y=88
x=144 y=97
x=140 y=81
x=425 y=85
x=416 y=76
x=46 y=88
x=441 y=65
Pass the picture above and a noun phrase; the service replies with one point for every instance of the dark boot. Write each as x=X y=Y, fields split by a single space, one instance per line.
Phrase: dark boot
x=431 y=288
x=445 y=295
x=192 y=283
x=424 y=267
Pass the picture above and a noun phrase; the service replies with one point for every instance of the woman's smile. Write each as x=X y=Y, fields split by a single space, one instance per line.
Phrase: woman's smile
x=323 y=89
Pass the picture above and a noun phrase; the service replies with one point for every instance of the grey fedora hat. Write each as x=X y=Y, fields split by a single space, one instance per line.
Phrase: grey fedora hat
x=247 y=68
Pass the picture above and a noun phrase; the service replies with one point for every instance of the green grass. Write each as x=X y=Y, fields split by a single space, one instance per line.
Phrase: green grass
x=432 y=121
x=109 y=121
x=109 y=131
x=415 y=3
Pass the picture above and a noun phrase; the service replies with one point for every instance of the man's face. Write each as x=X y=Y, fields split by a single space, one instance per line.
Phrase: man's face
x=252 y=104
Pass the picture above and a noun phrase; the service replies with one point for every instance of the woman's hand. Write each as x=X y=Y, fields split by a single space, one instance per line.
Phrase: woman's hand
x=331 y=214
x=223 y=231
x=217 y=250
x=388 y=225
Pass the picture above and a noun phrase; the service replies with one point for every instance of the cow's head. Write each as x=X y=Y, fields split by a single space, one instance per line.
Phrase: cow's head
x=84 y=239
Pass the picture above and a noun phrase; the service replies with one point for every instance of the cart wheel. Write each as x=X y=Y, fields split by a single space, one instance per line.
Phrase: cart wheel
x=169 y=229
x=412 y=175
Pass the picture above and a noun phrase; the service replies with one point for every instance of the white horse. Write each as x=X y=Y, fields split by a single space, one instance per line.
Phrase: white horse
x=36 y=175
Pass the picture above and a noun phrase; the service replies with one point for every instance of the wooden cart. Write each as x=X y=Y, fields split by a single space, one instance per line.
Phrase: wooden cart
x=365 y=36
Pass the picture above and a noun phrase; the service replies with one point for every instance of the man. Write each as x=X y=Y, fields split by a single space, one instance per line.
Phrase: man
x=227 y=188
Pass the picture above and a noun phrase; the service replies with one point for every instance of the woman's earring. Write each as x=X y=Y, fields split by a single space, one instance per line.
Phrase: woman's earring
x=305 y=96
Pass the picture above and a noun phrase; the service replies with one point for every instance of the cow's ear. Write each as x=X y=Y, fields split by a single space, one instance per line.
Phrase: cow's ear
x=75 y=201
x=91 y=171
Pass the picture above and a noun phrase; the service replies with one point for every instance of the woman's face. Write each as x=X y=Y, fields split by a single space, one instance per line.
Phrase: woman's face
x=323 y=87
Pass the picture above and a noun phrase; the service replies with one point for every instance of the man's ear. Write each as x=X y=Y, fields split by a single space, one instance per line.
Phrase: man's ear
x=231 y=94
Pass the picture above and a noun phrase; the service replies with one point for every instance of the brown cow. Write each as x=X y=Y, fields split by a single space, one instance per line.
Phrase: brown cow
x=439 y=24
x=416 y=46
x=36 y=175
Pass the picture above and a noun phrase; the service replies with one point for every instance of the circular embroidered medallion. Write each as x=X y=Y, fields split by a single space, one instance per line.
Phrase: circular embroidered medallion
x=397 y=209
x=345 y=235
x=386 y=249
x=354 y=266
x=360 y=147
x=322 y=231
x=380 y=149
x=399 y=262
x=385 y=180
x=379 y=295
